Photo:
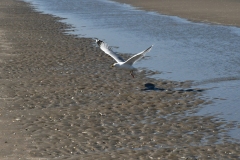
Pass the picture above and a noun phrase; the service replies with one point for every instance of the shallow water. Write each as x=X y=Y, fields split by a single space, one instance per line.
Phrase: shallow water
x=206 y=54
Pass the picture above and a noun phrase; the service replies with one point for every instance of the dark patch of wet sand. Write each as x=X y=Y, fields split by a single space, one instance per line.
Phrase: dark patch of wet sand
x=60 y=100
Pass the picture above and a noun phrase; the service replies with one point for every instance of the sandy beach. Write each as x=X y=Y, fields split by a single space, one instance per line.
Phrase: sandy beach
x=225 y=12
x=60 y=100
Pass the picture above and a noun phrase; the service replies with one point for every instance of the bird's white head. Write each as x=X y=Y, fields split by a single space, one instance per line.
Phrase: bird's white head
x=114 y=65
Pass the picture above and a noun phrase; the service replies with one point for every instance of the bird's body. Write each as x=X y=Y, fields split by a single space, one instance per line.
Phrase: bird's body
x=120 y=63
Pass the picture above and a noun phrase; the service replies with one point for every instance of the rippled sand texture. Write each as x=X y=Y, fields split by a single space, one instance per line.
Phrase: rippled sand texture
x=62 y=101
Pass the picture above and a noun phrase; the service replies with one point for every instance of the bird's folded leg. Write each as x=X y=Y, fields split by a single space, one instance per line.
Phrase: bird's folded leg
x=131 y=73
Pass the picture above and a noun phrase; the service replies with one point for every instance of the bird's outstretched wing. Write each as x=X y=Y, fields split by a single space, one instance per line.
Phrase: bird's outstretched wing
x=137 y=56
x=105 y=48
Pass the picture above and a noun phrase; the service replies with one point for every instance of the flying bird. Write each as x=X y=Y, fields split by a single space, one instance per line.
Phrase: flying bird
x=121 y=64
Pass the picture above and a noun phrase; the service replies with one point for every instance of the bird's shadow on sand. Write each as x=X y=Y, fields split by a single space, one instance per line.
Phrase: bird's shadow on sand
x=151 y=87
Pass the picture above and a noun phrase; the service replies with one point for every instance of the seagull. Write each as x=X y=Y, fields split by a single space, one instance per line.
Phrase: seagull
x=121 y=64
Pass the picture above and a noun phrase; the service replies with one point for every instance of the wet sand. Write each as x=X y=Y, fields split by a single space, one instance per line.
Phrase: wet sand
x=225 y=12
x=61 y=100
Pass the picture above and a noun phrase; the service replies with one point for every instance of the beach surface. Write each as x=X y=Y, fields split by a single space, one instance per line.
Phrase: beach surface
x=60 y=100
x=225 y=12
